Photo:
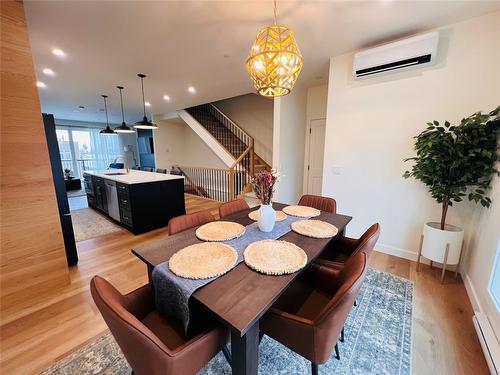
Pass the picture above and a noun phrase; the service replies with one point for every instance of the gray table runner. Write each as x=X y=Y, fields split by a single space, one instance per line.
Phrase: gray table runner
x=172 y=292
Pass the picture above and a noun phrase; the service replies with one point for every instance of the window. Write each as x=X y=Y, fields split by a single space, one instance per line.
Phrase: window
x=84 y=149
x=494 y=287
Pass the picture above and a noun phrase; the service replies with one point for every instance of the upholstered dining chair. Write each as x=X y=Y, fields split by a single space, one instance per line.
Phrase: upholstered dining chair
x=181 y=223
x=147 y=169
x=319 y=202
x=161 y=170
x=342 y=248
x=152 y=343
x=232 y=207
x=310 y=316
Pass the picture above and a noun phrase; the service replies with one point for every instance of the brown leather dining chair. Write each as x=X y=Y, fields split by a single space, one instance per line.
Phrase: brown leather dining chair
x=309 y=317
x=342 y=248
x=181 y=223
x=232 y=207
x=151 y=343
x=321 y=203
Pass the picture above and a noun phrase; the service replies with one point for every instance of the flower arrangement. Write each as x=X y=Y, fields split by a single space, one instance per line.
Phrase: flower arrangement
x=263 y=185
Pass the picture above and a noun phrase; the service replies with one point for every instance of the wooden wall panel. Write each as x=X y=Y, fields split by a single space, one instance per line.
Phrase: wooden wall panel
x=32 y=256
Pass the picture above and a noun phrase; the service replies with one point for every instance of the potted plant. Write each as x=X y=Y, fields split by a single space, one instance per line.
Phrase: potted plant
x=263 y=185
x=455 y=162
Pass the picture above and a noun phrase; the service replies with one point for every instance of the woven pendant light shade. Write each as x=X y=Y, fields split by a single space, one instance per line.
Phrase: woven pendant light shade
x=275 y=61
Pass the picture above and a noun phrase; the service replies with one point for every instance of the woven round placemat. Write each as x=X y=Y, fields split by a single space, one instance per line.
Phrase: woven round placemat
x=315 y=228
x=220 y=231
x=274 y=257
x=203 y=260
x=301 y=211
x=254 y=215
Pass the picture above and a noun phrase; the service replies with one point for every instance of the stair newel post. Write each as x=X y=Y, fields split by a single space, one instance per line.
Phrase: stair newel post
x=251 y=162
x=231 y=183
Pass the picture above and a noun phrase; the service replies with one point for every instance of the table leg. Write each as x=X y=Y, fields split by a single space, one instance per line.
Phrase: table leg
x=150 y=273
x=245 y=351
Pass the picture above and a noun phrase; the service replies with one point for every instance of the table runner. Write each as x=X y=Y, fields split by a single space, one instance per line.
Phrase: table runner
x=172 y=292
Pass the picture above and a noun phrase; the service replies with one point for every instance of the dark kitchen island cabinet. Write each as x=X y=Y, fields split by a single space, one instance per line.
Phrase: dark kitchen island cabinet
x=140 y=201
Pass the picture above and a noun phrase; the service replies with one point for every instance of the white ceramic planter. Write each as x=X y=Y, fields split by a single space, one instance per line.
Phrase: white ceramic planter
x=267 y=217
x=435 y=241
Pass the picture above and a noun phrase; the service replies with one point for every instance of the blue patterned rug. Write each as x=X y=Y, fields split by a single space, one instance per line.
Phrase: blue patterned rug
x=377 y=341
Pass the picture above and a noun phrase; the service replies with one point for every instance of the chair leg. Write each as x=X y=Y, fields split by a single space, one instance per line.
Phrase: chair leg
x=355 y=302
x=337 y=354
x=342 y=335
x=314 y=369
x=226 y=353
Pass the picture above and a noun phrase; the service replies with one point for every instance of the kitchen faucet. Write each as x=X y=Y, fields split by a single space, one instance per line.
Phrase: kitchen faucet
x=125 y=162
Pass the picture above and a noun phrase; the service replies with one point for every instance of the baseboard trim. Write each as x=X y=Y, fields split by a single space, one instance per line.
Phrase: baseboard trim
x=398 y=252
x=471 y=293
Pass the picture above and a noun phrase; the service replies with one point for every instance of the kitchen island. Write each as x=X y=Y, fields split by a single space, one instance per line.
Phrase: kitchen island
x=140 y=201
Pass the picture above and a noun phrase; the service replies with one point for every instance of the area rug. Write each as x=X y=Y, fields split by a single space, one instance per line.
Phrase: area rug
x=377 y=341
x=87 y=223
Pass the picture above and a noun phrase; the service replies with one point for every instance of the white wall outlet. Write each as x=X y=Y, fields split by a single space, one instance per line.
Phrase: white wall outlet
x=336 y=169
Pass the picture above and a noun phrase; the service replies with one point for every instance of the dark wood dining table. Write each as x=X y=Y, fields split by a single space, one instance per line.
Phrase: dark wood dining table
x=242 y=296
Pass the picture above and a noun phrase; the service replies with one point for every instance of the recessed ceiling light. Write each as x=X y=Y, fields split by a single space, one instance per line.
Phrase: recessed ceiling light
x=191 y=89
x=147 y=104
x=58 y=52
x=40 y=84
x=166 y=97
x=48 y=72
x=81 y=107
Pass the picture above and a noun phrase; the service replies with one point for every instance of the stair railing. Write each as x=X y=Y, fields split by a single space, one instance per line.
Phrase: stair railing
x=243 y=136
x=221 y=184
x=212 y=183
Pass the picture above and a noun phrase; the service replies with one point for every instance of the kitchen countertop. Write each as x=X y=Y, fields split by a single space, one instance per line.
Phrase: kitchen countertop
x=134 y=176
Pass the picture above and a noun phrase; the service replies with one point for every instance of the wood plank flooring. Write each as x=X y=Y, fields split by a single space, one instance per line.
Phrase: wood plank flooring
x=37 y=332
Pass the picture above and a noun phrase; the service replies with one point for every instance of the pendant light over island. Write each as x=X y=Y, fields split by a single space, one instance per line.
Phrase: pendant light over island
x=123 y=128
x=144 y=123
x=107 y=130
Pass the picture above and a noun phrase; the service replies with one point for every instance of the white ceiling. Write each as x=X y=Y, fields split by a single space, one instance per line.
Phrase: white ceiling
x=200 y=43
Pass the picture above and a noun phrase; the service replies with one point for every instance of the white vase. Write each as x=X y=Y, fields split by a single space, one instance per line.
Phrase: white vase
x=267 y=217
x=435 y=241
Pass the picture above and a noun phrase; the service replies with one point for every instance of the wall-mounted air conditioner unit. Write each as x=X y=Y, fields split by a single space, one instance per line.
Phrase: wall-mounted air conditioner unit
x=406 y=53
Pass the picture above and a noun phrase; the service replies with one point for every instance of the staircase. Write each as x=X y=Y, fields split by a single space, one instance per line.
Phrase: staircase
x=233 y=144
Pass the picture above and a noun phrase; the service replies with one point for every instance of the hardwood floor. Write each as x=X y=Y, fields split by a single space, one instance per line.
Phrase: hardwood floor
x=37 y=332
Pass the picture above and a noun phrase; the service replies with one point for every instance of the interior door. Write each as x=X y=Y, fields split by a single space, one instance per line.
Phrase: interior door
x=316 y=151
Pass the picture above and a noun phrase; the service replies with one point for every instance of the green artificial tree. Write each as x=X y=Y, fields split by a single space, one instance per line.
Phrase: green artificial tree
x=458 y=161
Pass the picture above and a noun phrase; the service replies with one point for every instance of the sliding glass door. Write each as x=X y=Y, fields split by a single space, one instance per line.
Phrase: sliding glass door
x=84 y=149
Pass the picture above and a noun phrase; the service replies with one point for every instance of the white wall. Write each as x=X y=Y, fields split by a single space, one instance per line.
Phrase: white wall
x=253 y=113
x=370 y=125
x=371 y=122
x=288 y=143
x=177 y=144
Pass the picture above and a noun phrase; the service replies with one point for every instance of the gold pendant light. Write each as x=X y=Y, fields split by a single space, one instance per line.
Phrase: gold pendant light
x=275 y=61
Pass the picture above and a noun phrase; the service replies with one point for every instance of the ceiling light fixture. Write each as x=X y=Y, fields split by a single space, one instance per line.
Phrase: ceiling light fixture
x=107 y=130
x=147 y=104
x=123 y=128
x=191 y=89
x=166 y=98
x=41 y=84
x=275 y=61
x=144 y=123
x=58 y=52
x=48 y=72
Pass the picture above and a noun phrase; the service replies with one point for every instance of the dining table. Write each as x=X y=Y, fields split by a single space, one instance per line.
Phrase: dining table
x=239 y=298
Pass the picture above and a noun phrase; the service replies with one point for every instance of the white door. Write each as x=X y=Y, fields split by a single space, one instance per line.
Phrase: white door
x=316 y=151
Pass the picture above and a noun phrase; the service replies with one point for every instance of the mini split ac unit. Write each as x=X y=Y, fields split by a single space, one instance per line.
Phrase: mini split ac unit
x=419 y=50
